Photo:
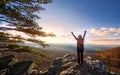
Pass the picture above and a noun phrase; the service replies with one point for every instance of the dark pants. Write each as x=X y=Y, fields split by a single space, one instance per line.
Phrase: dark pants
x=80 y=55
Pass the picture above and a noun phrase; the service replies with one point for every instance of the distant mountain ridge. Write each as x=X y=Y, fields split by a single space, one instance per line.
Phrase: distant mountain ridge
x=89 y=48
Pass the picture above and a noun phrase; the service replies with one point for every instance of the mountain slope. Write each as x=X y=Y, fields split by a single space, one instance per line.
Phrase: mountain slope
x=111 y=58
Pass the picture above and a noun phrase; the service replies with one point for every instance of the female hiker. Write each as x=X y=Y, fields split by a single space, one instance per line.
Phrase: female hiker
x=80 y=47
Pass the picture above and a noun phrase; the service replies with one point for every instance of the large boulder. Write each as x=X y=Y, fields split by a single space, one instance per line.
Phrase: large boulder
x=21 y=68
x=67 y=65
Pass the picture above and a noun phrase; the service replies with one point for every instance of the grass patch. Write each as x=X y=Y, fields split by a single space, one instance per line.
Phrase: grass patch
x=12 y=46
x=17 y=48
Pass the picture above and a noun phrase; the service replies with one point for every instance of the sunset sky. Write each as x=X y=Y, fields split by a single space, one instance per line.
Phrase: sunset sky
x=101 y=19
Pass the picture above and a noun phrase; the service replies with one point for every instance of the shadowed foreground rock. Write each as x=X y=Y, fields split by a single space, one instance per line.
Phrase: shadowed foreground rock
x=8 y=66
x=67 y=65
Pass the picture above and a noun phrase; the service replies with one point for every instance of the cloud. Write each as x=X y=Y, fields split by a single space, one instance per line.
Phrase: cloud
x=114 y=39
x=106 y=41
x=68 y=35
x=104 y=31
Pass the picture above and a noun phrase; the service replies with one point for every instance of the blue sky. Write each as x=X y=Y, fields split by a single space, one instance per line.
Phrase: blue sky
x=100 y=18
x=92 y=13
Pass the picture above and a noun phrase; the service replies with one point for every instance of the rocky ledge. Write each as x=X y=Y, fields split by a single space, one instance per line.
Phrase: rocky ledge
x=67 y=65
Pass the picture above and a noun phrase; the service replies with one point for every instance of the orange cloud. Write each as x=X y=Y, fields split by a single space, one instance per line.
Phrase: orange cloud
x=106 y=41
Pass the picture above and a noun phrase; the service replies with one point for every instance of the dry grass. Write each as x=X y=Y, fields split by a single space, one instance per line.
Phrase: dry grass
x=111 y=58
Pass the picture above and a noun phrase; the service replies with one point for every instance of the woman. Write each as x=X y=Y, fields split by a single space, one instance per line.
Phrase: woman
x=80 y=47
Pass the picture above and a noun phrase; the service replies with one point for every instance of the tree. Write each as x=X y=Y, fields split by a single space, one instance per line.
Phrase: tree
x=21 y=14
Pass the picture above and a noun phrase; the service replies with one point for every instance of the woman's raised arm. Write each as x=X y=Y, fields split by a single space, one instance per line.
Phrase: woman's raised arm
x=74 y=35
x=84 y=34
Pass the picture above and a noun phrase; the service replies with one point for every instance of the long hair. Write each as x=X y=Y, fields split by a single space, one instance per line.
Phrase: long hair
x=80 y=38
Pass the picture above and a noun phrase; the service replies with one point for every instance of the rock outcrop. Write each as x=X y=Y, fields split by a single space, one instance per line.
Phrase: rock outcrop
x=8 y=66
x=67 y=65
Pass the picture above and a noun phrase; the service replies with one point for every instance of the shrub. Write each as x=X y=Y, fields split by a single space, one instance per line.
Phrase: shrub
x=12 y=46
x=17 y=48
x=30 y=50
